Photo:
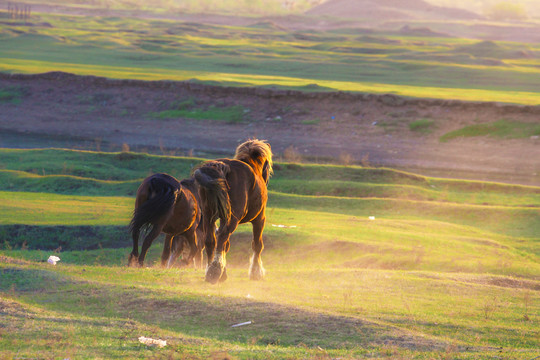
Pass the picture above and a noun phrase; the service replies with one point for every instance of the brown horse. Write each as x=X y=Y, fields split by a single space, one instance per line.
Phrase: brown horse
x=234 y=190
x=164 y=204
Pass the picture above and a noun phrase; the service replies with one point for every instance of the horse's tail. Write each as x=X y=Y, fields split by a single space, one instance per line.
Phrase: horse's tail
x=258 y=154
x=212 y=179
x=155 y=199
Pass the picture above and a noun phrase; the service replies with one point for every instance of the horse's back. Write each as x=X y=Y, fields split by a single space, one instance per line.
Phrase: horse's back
x=247 y=190
x=191 y=185
x=161 y=178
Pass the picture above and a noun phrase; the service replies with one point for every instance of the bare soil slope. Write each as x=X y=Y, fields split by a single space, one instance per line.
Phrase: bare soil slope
x=60 y=109
x=390 y=10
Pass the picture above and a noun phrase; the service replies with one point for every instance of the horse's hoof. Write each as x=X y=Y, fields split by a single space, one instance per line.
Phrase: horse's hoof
x=133 y=261
x=223 y=275
x=184 y=263
x=213 y=273
x=256 y=277
x=256 y=273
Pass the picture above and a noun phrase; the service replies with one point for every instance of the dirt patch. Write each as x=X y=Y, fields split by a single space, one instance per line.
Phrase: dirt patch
x=500 y=281
x=102 y=114
x=13 y=309
x=506 y=282
x=11 y=260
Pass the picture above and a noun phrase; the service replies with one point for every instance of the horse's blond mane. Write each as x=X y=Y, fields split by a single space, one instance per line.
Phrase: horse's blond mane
x=255 y=153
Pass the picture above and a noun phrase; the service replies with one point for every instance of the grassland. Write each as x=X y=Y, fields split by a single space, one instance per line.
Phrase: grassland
x=502 y=129
x=361 y=262
x=266 y=55
x=233 y=7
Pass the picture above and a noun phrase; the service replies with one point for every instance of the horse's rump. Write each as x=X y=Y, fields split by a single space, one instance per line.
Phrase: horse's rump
x=214 y=189
x=155 y=199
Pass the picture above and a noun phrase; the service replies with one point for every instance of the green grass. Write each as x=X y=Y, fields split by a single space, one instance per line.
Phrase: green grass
x=423 y=126
x=442 y=269
x=12 y=95
x=311 y=122
x=502 y=129
x=231 y=114
x=94 y=165
x=386 y=314
x=269 y=57
x=159 y=7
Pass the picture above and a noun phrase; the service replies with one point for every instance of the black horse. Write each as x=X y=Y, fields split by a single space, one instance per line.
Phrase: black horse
x=164 y=204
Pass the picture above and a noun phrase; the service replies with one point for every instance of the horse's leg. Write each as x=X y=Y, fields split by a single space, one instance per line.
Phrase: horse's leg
x=199 y=258
x=134 y=256
x=156 y=230
x=167 y=244
x=210 y=243
x=256 y=270
x=191 y=240
x=216 y=269
x=177 y=248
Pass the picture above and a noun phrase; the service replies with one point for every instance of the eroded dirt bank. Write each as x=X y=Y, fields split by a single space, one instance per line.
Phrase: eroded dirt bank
x=59 y=109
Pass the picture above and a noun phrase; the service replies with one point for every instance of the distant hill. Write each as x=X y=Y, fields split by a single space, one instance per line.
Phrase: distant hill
x=383 y=10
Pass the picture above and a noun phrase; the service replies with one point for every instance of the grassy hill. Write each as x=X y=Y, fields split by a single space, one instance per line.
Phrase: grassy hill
x=167 y=7
x=361 y=262
x=413 y=63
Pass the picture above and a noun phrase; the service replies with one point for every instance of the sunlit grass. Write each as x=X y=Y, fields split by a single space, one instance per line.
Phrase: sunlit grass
x=368 y=273
x=50 y=209
x=476 y=214
x=438 y=308
x=29 y=66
